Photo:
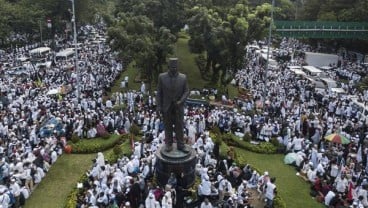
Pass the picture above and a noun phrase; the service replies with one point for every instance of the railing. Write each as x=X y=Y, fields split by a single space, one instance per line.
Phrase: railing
x=322 y=29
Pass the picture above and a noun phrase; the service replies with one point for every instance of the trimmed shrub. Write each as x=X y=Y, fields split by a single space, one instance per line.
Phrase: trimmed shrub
x=73 y=196
x=117 y=150
x=124 y=149
x=226 y=138
x=106 y=136
x=274 y=141
x=72 y=199
x=278 y=202
x=262 y=147
x=75 y=138
x=134 y=129
x=247 y=137
x=96 y=145
x=216 y=130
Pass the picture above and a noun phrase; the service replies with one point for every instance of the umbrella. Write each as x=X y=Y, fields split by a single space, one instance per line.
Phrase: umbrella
x=337 y=138
x=290 y=158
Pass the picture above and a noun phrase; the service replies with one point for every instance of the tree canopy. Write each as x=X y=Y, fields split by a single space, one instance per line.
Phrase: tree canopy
x=335 y=10
x=222 y=34
x=25 y=17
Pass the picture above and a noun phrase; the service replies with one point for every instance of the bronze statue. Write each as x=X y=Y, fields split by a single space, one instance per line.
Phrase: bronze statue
x=172 y=91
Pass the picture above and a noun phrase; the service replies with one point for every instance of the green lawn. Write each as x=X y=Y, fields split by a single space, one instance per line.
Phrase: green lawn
x=187 y=64
x=130 y=72
x=59 y=181
x=292 y=189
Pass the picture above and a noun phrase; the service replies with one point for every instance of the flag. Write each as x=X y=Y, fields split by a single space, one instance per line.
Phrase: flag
x=38 y=82
x=132 y=142
x=359 y=154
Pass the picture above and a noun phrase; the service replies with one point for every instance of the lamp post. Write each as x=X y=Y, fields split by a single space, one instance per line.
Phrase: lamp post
x=268 y=50
x=39 y=22
x=75 y=50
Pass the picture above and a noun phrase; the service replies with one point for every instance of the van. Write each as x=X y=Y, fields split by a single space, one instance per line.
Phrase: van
x=65 y=55
x=41 y=52
x=296 y=70
x=312 y=71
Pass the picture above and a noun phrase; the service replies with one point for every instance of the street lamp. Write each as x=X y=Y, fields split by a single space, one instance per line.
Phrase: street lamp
x=268 y=50
x=39 y=22
x=75 y=50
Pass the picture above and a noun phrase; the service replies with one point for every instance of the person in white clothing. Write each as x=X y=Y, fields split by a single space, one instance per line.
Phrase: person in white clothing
x=204 y=189
x=270 y=192
x=167 y=200
x=330 y=195
x=143 y=88
x=341 y=183
x=100 y=159
x=150 y=201
x=4 y=198
x=14 y=188
x=206 y=204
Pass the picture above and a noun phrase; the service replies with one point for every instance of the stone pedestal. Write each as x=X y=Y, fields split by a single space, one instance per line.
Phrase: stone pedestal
x=176 y=162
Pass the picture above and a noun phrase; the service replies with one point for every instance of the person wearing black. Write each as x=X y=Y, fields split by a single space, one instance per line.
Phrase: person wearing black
x=134 y=195
x=181 y=192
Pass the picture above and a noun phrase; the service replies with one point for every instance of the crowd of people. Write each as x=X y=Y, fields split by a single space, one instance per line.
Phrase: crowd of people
x=301 y=119
x=35 y=125
x=280 y=105
x=130 y=181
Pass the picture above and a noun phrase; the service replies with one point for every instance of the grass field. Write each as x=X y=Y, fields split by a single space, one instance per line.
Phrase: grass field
x=292 y=189
x=59 y=181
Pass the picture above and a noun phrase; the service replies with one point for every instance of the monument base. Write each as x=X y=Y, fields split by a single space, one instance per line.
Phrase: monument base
x=175 y=162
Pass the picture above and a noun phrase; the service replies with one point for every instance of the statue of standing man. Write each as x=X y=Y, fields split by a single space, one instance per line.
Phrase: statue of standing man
x=172 y=91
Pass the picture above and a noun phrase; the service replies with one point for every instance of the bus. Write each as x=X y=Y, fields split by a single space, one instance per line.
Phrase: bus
x=312 y=71
x=64 y=55
x=40 y=52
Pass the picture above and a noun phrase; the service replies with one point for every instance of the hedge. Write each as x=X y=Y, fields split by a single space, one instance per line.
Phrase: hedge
x=87 y=146
x=71 y=201
x=262 y=147
x=125 y=148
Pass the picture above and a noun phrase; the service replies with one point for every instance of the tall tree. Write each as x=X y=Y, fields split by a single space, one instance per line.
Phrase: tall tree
x=222 y=36
x=5 y=10
x=167 y=13
x=136 y=39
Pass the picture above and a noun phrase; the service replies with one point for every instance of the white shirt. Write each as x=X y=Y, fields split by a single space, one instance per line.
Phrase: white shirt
x=15 y=189
x=204 y=205
x=167 y=201
x=328 y=197
x=205 y=188
x=4 y=200
x=270 y=190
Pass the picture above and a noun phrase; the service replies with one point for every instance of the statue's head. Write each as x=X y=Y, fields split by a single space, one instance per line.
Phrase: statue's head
x=173 y=66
